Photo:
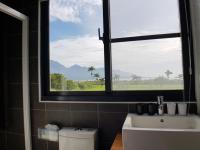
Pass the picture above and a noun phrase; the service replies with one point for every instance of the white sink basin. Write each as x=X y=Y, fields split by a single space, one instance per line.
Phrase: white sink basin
x=161 y=132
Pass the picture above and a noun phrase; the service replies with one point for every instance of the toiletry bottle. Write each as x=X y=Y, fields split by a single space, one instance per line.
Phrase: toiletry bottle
x=139 y=109
x=160 y=105
x=151 y=109
x=160 y=109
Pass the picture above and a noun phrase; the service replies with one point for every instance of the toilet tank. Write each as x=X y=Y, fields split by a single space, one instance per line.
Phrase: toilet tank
x=77 y=139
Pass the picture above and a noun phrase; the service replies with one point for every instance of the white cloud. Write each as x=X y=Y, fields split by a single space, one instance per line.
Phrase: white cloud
x=84 y=51
x=136 y=16
x=63 y=12
x=146 y=58
x=71 y=10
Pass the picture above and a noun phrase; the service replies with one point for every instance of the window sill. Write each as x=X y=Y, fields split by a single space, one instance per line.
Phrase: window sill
x=116 y=97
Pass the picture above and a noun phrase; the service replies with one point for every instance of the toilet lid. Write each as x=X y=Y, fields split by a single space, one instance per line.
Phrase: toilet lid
x=78 y=132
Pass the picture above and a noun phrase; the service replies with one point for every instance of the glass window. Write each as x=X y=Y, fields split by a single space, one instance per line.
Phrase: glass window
x=147 y=65
x=144 y=17
x=76 y=53
x=144 y=50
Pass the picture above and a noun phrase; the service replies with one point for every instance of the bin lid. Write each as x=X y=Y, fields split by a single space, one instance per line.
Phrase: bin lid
x=78 y=132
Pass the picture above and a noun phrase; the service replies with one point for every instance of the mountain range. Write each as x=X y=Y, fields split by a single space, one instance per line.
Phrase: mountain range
x=77 y=72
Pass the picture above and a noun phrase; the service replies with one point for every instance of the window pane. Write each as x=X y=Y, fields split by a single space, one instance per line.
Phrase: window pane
x=148 y=65
x=144 y=17
x=76 y=54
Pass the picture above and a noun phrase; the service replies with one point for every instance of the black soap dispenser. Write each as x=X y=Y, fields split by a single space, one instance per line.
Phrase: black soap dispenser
x=151 y=109
x=140 y=109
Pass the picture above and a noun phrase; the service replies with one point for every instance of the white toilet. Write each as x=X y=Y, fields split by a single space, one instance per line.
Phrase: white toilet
x=77 y=139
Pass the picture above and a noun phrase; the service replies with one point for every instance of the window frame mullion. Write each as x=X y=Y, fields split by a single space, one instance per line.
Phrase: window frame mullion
x=107 y=46
x=187 y=49
x=146 y=37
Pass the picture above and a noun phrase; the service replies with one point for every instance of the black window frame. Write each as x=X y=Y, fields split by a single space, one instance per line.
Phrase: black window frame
x=109 y=95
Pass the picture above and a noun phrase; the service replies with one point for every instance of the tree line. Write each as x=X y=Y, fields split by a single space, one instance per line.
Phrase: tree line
x=60 y=82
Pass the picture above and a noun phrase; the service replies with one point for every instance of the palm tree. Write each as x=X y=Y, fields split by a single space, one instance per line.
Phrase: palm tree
x=136 y=77
x=168 y=73
x=91 y=69
x=116 y=77
x=97 y=76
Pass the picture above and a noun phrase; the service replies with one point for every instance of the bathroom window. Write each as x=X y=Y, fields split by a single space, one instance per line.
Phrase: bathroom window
x=113 y=50
x=76 y=54
x=148 y=65
x=153 y=63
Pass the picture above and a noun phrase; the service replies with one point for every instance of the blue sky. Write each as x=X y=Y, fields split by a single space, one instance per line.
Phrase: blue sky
x=61 y=30
x=70 y=18
x=74 y=39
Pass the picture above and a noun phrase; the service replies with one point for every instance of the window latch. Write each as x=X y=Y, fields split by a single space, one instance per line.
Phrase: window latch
x=99 y=34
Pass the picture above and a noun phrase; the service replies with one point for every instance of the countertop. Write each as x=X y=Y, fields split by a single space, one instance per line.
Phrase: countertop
x=117 y=144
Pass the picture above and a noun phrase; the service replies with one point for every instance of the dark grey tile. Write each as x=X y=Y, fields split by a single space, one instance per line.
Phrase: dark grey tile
x=38 y=144
x=61 y=118
x=83 y=107
x=34 y=97
x=53 y=146
x=113 y=107
x=15 y=70
x=14 y=46
x=15 y=99
x=84 y=119
x=38 y=120
x=192 y=108
x=2 y=116
x=33 y=16
x=30 y=4
x=15 y=142
x=57 y=106
x=33 y=64
x=18 y=5
x=132 y=108
x=2 y=141
x=14 y=26
x=33 y=44
x=110 y=124
x=15 y=121
x=104 y=144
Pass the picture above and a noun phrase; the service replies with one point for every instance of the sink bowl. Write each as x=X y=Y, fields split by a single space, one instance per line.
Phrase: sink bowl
x=161 y=132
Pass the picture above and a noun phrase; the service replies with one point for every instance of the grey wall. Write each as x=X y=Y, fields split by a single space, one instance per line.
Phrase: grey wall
x=2 y=111
x=108 y=118
x=1 y=75
x=12 y=119
x=195 y=15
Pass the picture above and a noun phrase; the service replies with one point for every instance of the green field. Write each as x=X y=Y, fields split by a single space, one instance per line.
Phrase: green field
x=147 y=86
x=60 y=83
x=122 y=86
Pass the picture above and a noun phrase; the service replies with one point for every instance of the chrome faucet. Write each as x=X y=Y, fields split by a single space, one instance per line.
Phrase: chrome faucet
x=160 y=100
